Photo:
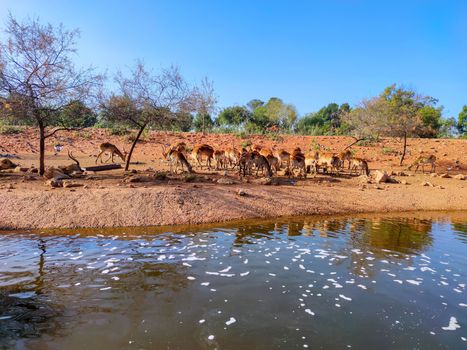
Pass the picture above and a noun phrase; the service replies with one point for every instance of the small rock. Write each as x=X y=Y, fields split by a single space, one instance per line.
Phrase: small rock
x=29 y=178
x=401 y=173
x=459 y=177
x=445 y=176
x=242 y=193
x=434 y=175
x=403 y=182
x=440 y=187
x=378 y=187
x=68 y=184
x=263 y=181
x=54 y=183
x=10 y=187
x=381 y=176
x=225 y=181
x=426 y=183
x=19 y=169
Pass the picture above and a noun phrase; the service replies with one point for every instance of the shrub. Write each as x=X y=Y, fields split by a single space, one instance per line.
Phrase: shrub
x=10 y=130
x=119 y=130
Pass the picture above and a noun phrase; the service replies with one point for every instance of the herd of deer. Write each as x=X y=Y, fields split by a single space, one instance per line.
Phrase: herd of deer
x=259 y=159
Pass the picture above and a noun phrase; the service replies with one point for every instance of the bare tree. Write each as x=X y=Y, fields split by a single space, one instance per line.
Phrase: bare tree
x=38 y=77
x=148 y=99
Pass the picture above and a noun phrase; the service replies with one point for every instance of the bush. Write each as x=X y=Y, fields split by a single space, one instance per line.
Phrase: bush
x=10 y=130
x=246 y=143
x=119 y=130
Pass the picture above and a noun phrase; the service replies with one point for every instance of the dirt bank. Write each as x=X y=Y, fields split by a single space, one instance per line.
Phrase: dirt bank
x=107 y=200
x=204 y=203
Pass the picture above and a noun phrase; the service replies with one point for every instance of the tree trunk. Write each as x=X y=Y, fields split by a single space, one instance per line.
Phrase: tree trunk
x=128 y=158
x=41 y=148
x=353 y=143
x=404 y=150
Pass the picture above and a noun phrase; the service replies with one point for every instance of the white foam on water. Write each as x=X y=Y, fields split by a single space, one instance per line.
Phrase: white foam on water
x=227 y=269
x=417 y=283
x=201 y=321
x=191 y=278
x=301 y=267
x=453 y=325
x=245 y=261
x=205 y=283
x=398 y=281
x=463 y=305
x=212 y=273
x=286 y=268
x=272 y=274
x=361 y=286
x=344 y=297
x=245 y=273
x=105 y=288
x=230 y=321
x=186 y=264
x=410 y=268
x=211 y=337
x=308 y=311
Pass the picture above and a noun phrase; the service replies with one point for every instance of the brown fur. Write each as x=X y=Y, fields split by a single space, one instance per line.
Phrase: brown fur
x=107 y=147
x=200 y=151
x=422 y=160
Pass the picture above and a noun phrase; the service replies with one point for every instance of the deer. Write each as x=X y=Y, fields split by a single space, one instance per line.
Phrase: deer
x=284 y=158
x=6 y=164
x=328 y=160
x=220 y=159
x=232 y=156
x=261 y=162
x=176 y=158
x=297 y=161
x=345 y=156
x=422 y=160
x=200 y=151
x=311 y=159
x=107 y=147
x=359 y=164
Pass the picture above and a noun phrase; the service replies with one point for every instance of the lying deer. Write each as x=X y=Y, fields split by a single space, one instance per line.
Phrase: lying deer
x=422 y=160
x=6 y=164
x=107 y=147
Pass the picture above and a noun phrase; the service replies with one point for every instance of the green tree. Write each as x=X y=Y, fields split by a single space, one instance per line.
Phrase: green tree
x=76 y=114
x=203 y=122
x=462 y=121
x=235 y=116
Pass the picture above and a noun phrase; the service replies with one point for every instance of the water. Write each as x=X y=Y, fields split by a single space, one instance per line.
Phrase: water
x=325 y=283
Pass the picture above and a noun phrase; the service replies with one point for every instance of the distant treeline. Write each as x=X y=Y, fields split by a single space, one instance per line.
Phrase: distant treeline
x=256 y=117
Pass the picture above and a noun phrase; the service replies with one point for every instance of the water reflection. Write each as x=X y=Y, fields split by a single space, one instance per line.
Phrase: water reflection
x=176 y=289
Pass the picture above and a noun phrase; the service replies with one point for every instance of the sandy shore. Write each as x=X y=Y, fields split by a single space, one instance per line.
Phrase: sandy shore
x=207 y=203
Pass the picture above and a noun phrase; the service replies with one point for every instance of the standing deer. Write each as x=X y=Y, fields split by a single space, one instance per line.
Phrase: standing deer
x=200 y=151
x=359 y=164
x=176 y=158
x=297 y=161
x=345 y=156
x=422 y=160
x=107 y=147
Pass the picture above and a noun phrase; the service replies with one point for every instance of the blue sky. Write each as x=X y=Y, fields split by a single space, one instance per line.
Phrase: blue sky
x=308 y=53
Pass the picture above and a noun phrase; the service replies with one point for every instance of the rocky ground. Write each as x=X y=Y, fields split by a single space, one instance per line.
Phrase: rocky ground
x=150 y=196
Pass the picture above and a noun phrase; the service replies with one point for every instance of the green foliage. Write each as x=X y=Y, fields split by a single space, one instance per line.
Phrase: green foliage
x=119 y=130
x=242 y=135
x=76 y=114
x=246 y=143
x=327 y=121
x=388 y=151
x=235 y=116
x=10 y=129
x=203 y=122
x=462 y=121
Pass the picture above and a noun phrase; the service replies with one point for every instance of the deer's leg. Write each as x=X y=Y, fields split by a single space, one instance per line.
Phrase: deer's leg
x=99 y=156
